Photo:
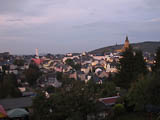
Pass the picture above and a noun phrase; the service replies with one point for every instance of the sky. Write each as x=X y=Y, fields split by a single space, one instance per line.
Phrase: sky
x=66 y=26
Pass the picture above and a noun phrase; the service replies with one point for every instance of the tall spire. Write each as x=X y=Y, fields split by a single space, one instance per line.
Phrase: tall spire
x=37 y=53
x=127 y=38
x=126 y=44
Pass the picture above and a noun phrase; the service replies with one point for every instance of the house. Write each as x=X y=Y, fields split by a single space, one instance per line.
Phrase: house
x=103 y=74
x=149 y=67
x=88 y=78
x=104 y=105
x=99 y=57
x=0 y=67
x=95 y=62
x=81 y=75
x=47 y=64
x=98 y=70
x=86 y=68
x=96 y=79
x=111 y=67
x=58 y=68
x=73 y=74
x=102 y=62
x=66 y=68
x=52 y=80
x=28 y=94
x=12 y=103
x=37 y=61
x=69 y=57
x=49 y=80
x=13 y=69
x=109 y=101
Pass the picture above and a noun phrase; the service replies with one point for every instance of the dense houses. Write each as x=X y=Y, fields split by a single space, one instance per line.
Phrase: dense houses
x=92 y=66
x=84 y=67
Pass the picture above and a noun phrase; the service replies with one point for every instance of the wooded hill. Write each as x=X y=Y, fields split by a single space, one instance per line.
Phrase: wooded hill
x=144 y=46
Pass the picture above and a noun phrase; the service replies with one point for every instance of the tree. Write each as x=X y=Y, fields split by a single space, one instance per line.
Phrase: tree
x=59 y=76
x=137 y=94
x=50 y=89
x=156 y=66
x=108 y=89
x=19 y=62
x=131 y=65
x=145 y=91
x=41 y=107
x=82 y=99
x=32 y=74
x=67 y=103
x=5 y=68
x=77 y=66
x=140 y=64
x=154 y=90
x=71 y=63
x=118 y=110
x=126 y=69
x=9 y=87
x=60 y=105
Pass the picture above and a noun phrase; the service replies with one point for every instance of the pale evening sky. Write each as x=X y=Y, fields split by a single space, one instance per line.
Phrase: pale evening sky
x=63 y=26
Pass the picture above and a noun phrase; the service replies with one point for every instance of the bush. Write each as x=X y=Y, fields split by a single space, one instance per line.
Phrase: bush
x=158 y=118
x=119 y=109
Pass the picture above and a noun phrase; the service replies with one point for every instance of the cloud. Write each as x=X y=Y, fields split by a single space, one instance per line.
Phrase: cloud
x=17 y=22
x=11 y=38
x=76 y=25
x=14 y=20
x=11 y=6
x=154 y=20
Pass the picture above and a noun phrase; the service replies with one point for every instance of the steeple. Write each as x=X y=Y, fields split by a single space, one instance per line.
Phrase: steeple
x=37 y=53
x=126 y=44
x=127 y=39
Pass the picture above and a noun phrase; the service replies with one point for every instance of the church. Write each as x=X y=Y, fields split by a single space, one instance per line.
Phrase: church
x=126 y=46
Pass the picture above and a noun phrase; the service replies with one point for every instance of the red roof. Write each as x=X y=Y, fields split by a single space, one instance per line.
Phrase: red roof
x=37 y=61
x=109 y=100
x=2 y=112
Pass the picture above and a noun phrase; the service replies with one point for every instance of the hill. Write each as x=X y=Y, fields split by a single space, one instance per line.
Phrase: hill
x=144 y=46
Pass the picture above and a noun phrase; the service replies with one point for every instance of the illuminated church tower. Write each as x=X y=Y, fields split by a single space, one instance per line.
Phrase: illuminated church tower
x=126 y=44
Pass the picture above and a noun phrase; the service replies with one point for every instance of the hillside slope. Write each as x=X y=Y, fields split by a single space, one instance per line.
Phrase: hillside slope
x=144 y=46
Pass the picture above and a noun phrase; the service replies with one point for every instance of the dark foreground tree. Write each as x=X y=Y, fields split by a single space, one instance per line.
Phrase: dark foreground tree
x=32 y=74
x=126 y=69
x=131 y=65
x=108 y=89
x=140 y=64
x=41 y=108
x=137 y=94
x=156 y=66
x=9 y=87
x=146 y=91
x=74 y=101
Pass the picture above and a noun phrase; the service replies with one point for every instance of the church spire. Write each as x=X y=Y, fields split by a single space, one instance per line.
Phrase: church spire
x=126 y=44
x=127 y=38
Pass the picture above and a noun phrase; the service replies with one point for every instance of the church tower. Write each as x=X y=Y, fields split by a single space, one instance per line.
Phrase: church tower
x=37 y=53
x=126 y=44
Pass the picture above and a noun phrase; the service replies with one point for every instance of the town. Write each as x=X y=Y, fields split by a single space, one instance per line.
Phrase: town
x=22 y=77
